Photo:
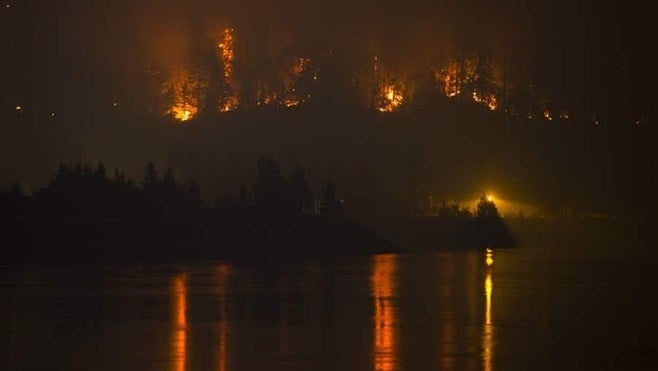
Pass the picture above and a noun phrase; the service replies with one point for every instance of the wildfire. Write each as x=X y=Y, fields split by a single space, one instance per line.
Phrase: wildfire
x=197 y=87
x=184 y=89
x=288 y=91
x=231 y=100
x=291 y=102
x=392 y=99
x=489 y=100
x=448 y=79
x=300 y=66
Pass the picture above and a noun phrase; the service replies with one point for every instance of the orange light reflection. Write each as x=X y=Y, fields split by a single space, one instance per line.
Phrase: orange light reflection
x=223 y=273
x=383 y=291
x=179 y=292
x=487 y=337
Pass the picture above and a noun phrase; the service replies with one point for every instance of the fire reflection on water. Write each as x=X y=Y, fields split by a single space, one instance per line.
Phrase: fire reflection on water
x=179 y=341
x=223 y=273
x=487 y=336
x=383 y=291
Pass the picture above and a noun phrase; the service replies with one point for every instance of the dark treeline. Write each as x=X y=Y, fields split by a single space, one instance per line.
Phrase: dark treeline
x=84 y=213
x=452 y=227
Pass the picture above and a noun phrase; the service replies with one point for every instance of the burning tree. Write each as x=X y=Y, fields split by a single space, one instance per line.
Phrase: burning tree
x=230 y=97
x=185 y=89
x=387 y=90
x=470 y=76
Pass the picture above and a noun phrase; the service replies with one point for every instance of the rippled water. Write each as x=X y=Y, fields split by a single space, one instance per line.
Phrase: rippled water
x=522 y=309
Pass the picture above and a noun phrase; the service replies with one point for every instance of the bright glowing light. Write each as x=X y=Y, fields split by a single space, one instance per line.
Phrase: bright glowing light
x=487 y=338
x=488 y=289
x=489 y=100
x=18 y=108
x=490 y=197
x=291 y=102
x=487 y=335
x=392 y=99
x=595 y=121
x=185 y=90
x=547 y=115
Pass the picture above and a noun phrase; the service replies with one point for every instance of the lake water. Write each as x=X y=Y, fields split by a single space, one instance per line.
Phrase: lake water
x=523 y=309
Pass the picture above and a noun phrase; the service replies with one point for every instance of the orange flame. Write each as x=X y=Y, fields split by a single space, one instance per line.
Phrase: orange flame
x=185 y=90
x=488 y=100
x=448 y=78
x=392 y=98
x=231 y=100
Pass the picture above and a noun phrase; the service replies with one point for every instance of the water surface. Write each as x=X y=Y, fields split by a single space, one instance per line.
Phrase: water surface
x=522 y=309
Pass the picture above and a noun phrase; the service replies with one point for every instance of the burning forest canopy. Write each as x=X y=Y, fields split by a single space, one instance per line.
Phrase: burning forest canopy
x=184 y=59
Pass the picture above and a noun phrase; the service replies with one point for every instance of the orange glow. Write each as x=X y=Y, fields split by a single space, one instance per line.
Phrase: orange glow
x=226 y=48
x=223 y=274
x=291 y=102
x=179 y=344
x=300 y=66
x=383 y=292
x=489 y=100
x=547 y=115
x=185 y=91
x=286 y=94
x=392 y=99
x=448 y=78
x=456 y=76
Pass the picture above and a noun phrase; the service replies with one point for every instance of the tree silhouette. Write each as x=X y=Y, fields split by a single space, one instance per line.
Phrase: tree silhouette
x=330 y=204
x=168 y=181
x=486 y=209
x=194 y=189
x=151 y=176
x=483 y=83
x=300 y=194
x=100 y=172
x=270 y=189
